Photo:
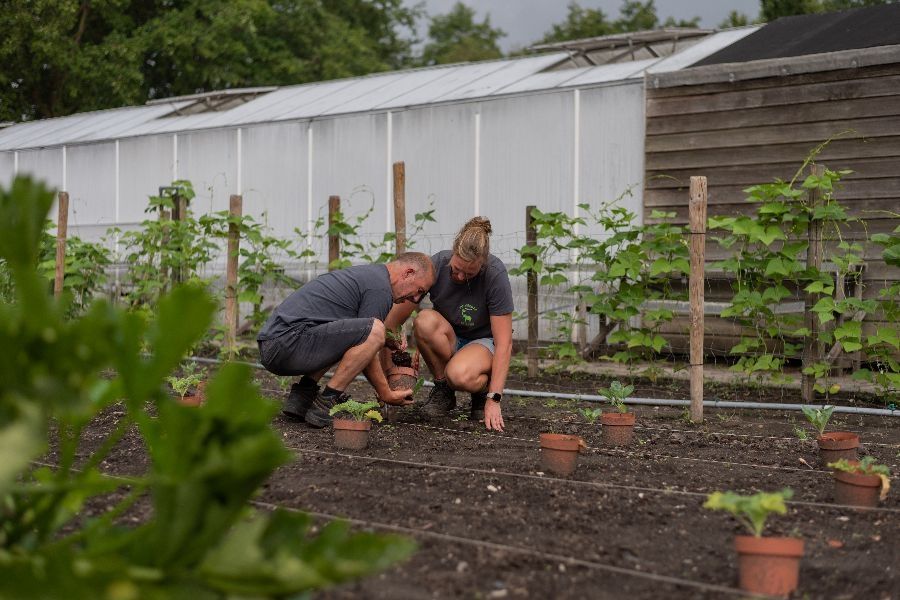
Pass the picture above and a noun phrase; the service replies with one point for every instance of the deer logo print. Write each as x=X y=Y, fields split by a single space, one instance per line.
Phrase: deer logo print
x=464 y=311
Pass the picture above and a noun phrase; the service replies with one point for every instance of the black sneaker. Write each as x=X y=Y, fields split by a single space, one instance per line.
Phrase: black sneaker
x=476 y=413
x=299 y=401
x=440 y=401
x=317 y=415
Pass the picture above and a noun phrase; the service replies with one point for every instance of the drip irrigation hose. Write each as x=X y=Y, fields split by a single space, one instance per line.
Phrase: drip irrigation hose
x=858 y=410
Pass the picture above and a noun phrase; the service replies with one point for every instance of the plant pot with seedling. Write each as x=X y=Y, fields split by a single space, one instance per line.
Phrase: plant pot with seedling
x=351 y=432
x=766 y=565
x=618 y=427
x=860 y=483
x=834 y=445
x=401 y=374
x=190 y=387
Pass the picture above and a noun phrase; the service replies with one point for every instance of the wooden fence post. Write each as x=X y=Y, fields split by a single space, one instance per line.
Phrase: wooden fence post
x=532 y=351
x=179 y=214
x=334 y=240
x=814 y=253
x=400 y=206
x=235 y=211
x=62 y=228
x=697 y=209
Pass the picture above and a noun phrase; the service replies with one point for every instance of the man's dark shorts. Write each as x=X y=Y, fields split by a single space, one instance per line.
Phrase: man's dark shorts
x=310 y=349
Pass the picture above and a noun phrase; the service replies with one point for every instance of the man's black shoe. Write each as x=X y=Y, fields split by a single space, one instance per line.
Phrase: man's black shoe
x=317 y=415
x=476 y=413
x=440 y=401
x=299 y=401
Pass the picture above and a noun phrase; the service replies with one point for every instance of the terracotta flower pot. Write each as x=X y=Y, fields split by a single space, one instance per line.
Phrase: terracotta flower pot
x=197 y=398
x=350 y=434
x=856 y=489
x=618 y=428
x=559 y=452
x=836 y=445
x=768 y=565
x=400 y=378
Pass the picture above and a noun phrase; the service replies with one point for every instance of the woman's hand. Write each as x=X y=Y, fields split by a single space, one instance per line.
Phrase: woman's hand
x=493 y=419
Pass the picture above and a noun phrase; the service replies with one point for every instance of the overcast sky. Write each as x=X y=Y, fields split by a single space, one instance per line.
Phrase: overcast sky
x=526 y=21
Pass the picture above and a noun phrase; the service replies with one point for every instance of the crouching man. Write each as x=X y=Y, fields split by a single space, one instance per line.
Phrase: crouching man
x=338 y=319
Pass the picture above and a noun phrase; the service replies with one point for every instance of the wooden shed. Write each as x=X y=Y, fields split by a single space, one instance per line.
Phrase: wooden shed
x=754 y=111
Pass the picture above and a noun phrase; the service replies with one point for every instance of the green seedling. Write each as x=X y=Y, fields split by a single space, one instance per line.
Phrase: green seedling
x=358 y=411
x=189 y=380
x=801 y=433
x=590 y=414
x=866 y=466
x=751 y=511
x=818 y=417
x=419 y=383
x=616 y=394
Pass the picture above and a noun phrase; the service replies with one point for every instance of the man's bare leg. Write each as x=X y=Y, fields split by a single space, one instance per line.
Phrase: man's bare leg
x=358 y=358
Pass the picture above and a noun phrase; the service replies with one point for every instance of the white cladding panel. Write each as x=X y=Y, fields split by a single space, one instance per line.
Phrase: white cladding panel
x=438 y=146
x=91 y=179
x=44 y=165
x=612 y=146
x=145 y=164
x=209 y=160
x=274 y=176
x=7 y=168
x=350 y=161
x=527 y=149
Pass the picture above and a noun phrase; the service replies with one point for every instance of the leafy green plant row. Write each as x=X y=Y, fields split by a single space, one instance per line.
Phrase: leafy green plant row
x=630 y=269
x=201 y=540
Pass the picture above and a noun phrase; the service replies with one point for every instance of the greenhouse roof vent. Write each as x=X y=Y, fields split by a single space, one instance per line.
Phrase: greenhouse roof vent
x=218 y=101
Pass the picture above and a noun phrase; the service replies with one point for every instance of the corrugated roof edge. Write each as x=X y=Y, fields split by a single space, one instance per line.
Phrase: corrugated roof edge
x=777 y=67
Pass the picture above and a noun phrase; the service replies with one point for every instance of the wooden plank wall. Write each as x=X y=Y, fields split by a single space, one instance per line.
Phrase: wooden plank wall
x=751 y=131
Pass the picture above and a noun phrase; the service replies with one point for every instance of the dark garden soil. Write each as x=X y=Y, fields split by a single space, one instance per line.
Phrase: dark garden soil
x=490 y=524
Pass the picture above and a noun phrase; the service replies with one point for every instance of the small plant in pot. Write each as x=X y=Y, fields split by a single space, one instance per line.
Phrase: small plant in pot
x=559 y=451
x=618 y=427
x=351 y=432
x=766 y=565
x=834 y=445
x=190 y=387
x=402 y=374
x=860 y=483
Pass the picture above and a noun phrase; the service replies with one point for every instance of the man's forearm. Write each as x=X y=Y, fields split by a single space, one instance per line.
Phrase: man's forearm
x=374 y=373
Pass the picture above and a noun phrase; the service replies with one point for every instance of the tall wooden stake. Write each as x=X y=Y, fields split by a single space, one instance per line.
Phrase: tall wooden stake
x=400 y=205
x=179 y=214
x=334 y=240
x=62 y=228
x=697 y=210
x=531 y=240
x=235 y=210
x=814 y=254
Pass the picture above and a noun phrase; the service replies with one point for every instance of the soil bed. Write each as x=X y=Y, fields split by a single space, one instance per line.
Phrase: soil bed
x=491 y=525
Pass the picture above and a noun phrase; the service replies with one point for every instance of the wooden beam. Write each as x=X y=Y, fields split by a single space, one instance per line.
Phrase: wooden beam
x=334 y=240
x=697 y=250
x=62 y=228
x=235 y=211
x=400 y=206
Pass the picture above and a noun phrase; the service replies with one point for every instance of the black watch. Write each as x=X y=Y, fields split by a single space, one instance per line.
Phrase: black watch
x=495 y=396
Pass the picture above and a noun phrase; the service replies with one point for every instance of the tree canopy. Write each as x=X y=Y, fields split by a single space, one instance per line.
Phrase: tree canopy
x=64 y=56
x=457 y=37
x=634 y=15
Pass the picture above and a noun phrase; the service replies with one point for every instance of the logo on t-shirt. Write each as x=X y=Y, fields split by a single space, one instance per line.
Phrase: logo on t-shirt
x=464 y=311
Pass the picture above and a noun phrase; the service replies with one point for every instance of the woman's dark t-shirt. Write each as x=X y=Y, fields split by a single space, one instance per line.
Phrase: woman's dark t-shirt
x=468 y=306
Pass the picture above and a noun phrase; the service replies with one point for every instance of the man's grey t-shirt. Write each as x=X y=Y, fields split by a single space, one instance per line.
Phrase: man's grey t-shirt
x=361 y=291
x=469 y=306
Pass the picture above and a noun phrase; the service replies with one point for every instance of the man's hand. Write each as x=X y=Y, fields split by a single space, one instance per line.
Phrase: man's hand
x=493 y=419
x=402 y=397
x=397 y=344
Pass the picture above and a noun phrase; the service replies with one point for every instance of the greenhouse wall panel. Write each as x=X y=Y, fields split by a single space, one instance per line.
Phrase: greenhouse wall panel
x=440 y=176
x=91 y=183
x=274 y=176
x=350 y=161
x=527 y=151
x=145 y=164
x=209 y=160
